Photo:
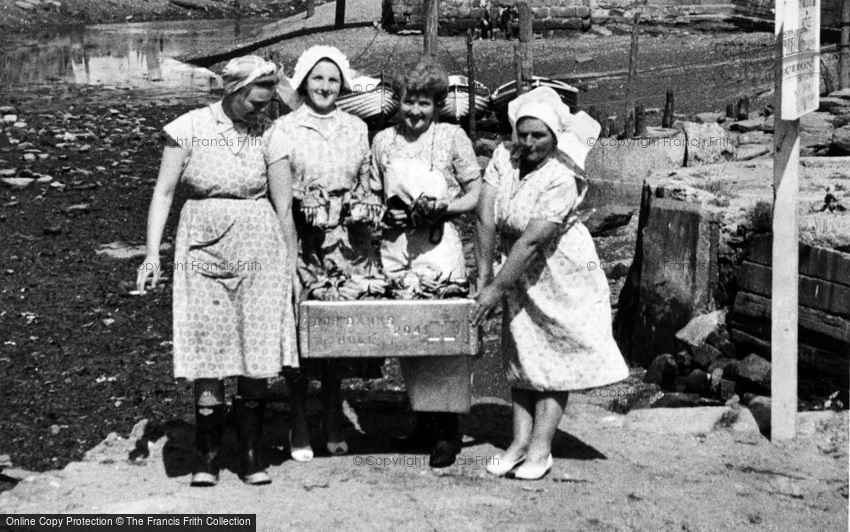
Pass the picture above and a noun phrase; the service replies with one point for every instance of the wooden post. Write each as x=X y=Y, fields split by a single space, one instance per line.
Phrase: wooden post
x=339 y=16
x=470 y=67
x=525 y=39
x=640 y=121
x=844 y=47
x=730 y=111
x=518 y=70
x=612 y=126
x=742 y=110
x=629 y=124
x=311 y=8
x=633 y=58
x=669 y=109
x=432 y=24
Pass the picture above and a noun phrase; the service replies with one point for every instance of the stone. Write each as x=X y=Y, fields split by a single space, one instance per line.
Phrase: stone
x=755 y=137
x=726 y=390
x=843 y=93
x=663 y=372
x=754 y=371
x=617 y=168
x=17 y=183
x=7 y=110
x=767 y=125
x=602 y=31
x=705 y=354
x=828 y=103
x=721 y=341
x=607 y=218
x=671 y=279
x=699 y=328
x=748 y=152
x=728 y=365
x=816 y=130
x=760 y=409
x=26 y=6
x=8 y=172
x=581 y=59
x=747 y=125
x=706 y=144
x=841 y=140
x=707 y=118
x=697 y=382
x=684 y=360
x=676 y=400
x=30 y=157
x=10 y=119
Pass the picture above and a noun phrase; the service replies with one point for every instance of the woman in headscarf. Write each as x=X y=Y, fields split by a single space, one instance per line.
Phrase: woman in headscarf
x=422 y=159
x=327 y=151
x=556 y=328
x=234 y=261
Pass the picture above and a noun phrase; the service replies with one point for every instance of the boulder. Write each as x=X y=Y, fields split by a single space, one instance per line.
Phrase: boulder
x=705 y=355
x=706 y=143
x=747 y=152
x=707 y=118
x=697 y=382
x=843 y=93
x=722 y=342
x=17 y=183
x=754 y=372
x=755 y=137
x=699 y=328
x=663 y=372
x=828 y=103
x=751 y=124
x=815 y=130
x=728 y=365
x=726 y=390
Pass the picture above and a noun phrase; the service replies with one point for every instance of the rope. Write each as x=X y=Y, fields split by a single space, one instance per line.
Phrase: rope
x=368 y=45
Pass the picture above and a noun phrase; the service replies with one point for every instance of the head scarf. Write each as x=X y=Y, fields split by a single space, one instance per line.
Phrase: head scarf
x=242 y=71
x=576 y=134
x=313 y=55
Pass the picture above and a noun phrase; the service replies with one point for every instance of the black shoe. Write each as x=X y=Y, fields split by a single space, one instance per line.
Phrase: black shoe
x=444 y=453
x=421 y=438
x=249 y=427
x=209 y=424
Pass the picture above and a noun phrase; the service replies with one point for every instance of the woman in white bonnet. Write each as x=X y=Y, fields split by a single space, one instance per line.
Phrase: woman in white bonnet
x=234 y=261
x=556 y=326
x=324 y=151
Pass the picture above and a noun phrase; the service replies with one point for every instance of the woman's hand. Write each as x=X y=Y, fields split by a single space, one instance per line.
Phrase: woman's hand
x=150 y=266
x=486 y=300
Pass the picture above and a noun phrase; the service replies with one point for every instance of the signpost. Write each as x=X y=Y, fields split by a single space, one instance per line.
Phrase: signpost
x=797 y=75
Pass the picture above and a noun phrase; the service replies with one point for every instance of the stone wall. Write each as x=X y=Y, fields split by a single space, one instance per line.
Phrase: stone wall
x=761 y=13
x=458 y=15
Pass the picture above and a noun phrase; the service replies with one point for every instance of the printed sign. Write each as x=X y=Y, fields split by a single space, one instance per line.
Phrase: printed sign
x=354 y=329
x=798 y=28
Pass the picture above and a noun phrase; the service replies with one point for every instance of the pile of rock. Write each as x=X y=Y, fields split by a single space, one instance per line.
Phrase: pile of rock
x=709 y=369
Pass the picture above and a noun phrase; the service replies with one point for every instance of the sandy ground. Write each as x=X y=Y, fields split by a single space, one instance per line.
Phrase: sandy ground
x=662 y=469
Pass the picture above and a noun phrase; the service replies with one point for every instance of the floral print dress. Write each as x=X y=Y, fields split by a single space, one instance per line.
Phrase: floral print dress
x=233 y=308
x=556 y=334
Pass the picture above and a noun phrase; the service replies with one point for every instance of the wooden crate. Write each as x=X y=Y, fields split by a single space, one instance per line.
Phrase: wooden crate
x=386 y=328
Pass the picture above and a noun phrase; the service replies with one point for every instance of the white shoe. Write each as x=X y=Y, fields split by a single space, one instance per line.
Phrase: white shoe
x=499 y=466
x=533 y=472
x=300 y=454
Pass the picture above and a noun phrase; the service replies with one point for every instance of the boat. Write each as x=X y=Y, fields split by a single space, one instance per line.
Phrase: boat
x=369 y=98
x=457 y=100
x=507 y=92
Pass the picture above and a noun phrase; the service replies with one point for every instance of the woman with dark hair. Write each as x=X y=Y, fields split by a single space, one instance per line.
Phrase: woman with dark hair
x=556 y=323
x=234 y=261
x=327 y=155
x=423 y=160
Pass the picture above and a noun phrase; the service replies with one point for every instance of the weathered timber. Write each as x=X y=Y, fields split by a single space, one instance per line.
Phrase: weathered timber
x=758 y=306
x=814 y=293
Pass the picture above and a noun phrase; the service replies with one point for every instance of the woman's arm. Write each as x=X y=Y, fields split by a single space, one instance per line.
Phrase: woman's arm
x=280 y=193
x=467 y=201
x=536 y=236
x=485 y=235
x=163 y=195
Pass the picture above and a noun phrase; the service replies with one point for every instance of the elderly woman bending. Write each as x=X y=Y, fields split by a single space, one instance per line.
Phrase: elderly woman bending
x=234 y=261
x=556 y=328
x=416 y=159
